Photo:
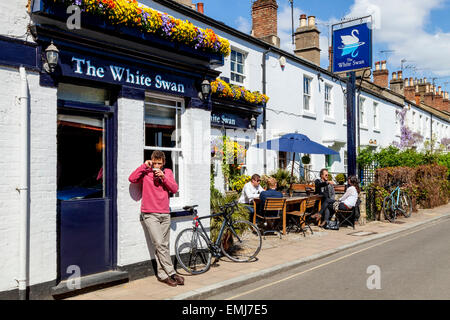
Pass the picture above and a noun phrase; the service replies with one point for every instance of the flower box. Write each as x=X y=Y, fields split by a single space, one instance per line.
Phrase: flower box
x=126 y=18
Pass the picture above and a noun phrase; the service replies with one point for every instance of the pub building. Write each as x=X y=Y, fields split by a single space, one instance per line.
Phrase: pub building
x=99 y=100
x=236 y=120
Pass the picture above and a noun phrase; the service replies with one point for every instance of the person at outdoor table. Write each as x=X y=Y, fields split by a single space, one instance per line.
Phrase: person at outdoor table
x=325 y=188
x=347 y=201
x=271 y=192
x=251 y=190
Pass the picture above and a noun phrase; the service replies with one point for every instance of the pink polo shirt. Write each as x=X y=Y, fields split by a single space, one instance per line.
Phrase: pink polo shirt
x=155 y=192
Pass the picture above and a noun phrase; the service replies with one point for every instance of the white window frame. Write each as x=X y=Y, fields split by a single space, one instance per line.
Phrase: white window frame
x=244 y=69
x=362 y=113
x=344 y=119
x=175 y=201
x=328 y=103
x=376 y=116
x=307 y=96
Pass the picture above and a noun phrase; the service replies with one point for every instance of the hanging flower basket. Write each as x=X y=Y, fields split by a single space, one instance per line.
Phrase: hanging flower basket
x=221 y=89
x=133 y=15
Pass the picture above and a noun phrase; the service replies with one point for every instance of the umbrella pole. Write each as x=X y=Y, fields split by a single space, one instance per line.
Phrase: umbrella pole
x=292 y=172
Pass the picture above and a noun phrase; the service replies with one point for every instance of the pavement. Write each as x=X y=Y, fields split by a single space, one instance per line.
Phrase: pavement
x=277 y=255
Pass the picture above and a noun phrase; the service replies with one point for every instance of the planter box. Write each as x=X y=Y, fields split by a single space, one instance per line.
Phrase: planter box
x=57 y=11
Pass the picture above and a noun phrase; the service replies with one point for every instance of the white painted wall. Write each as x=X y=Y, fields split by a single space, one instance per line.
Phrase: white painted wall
x=42 y=180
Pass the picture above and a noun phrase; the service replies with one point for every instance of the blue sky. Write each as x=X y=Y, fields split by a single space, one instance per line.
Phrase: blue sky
x=417 y=31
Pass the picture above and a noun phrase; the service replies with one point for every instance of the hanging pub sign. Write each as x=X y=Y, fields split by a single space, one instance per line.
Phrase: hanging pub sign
x=352 y=47
x=93 y=68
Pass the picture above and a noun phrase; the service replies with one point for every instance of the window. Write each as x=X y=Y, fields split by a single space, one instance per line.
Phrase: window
x=328 y=100
x=375 y=115
x=307 y=93
x=345 y=107
x=345 y=162
x=421 y=125
x=237 y=66
x=162 y=132
x=362 y=112
x=282 y=160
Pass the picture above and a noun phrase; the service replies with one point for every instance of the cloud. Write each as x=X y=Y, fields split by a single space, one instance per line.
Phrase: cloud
x=402 y=28
x=243 y=25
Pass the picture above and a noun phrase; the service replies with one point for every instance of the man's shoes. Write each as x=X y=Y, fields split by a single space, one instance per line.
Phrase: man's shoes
x=169 y=281
x=178 y=279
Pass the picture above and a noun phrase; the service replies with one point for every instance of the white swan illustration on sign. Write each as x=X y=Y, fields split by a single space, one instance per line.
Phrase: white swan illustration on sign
x=350 y=44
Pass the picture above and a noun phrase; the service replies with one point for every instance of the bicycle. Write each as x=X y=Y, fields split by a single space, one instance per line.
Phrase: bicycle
x=397 y=201
x=240 y=241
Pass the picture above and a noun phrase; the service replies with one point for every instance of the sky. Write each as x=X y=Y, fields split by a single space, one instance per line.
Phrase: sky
x=415 y=31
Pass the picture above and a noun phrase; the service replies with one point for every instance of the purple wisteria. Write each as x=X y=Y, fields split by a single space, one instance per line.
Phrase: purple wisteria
x=408 y=138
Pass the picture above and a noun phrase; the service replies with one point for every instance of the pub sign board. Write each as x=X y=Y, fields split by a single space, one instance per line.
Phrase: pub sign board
x=352 y=48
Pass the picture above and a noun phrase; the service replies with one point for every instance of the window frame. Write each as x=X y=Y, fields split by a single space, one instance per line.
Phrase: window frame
x=362 y=113
x=328 y=102
x=307 y=96
x=176 y=200
x=244 y=69
x=376 y=116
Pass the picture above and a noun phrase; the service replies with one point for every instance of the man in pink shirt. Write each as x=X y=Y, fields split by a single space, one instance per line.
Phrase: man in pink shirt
x=157 y=183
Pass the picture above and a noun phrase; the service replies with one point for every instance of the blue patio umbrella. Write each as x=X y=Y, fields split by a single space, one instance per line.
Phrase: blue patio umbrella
x=295 y=142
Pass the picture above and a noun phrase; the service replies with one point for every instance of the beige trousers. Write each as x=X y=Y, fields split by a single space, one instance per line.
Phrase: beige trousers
x=158 y=226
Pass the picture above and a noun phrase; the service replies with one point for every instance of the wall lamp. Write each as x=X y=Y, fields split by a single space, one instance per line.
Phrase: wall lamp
x=51 y=58
x=252 y=122
x=205 y=90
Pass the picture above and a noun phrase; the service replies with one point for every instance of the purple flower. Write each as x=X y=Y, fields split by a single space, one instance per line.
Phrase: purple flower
x=78 y=2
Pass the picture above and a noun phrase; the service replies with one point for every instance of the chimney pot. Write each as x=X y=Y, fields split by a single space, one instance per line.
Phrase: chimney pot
x=427 y=90
x=411 y=82
x=394 y=75
x=383 y=65
x=400 y=73
x=377 y=65
x=311 y=21
x=439 y=89
x=200 y=7
x=302 y=20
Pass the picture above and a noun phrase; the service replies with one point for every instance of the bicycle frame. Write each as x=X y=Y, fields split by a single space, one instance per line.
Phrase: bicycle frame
x=395 y=202
x=226 y=222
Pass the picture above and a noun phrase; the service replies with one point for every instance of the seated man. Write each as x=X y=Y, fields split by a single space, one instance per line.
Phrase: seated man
x=251 y=190
x=270 y=193
x=326 y=189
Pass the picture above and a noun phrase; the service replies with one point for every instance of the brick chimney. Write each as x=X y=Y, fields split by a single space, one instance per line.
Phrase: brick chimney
x=381 y=74
x=409 y=90
x=428 y=96
x=396 y=83
x=445 y=102
x=307 y=44
x=438 y=103
x=330 y=58
x=264 y=21
x=201 y=7
x=417 y=94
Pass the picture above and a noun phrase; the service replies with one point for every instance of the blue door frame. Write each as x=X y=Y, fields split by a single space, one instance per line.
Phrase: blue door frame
x=87 y=228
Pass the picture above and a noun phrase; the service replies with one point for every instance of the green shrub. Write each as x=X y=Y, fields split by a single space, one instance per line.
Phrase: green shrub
x=340 y=178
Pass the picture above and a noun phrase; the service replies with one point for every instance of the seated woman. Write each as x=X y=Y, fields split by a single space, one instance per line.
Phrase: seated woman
x=347 y=201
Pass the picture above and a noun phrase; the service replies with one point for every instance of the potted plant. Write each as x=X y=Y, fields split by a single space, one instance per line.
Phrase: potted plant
x=340 y=178
x=306 y=159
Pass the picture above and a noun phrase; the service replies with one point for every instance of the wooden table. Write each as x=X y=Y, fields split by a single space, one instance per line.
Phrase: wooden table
x=290 y=202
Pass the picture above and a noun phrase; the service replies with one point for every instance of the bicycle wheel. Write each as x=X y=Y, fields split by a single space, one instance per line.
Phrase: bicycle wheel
x=192 y=251
x=241 y=242
x=388 y=209
x=405 y=204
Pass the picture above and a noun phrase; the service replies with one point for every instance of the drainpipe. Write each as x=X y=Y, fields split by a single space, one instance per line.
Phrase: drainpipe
x=264 y=110
x=23 y=188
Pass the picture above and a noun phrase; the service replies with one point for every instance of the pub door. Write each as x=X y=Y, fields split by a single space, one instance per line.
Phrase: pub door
x=85 y=192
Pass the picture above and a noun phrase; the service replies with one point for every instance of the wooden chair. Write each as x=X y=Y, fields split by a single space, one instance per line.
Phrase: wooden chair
x=301 y=214
x=348 y=215
x=313 y=205
x=271 y=204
